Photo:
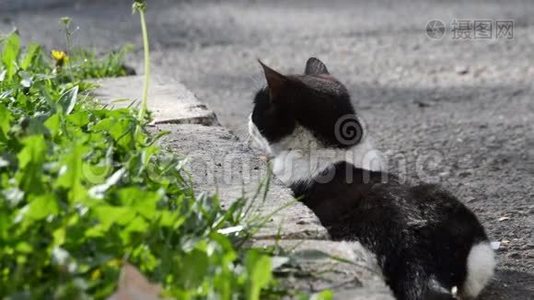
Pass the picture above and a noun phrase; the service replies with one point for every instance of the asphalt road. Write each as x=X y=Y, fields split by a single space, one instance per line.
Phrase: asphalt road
x=455 y=111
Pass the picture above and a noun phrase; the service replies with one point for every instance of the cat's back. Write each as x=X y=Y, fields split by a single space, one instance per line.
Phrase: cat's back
x=357 y=198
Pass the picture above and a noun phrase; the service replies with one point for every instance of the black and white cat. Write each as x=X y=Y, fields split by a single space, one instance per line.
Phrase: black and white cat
x=428 y=244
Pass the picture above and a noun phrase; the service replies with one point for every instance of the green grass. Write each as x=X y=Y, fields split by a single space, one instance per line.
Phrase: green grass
x=88 y=65
x=85 y=189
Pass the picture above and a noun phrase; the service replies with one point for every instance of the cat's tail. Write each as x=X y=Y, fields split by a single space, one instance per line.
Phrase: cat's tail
x=410 y=281
x=480 y=268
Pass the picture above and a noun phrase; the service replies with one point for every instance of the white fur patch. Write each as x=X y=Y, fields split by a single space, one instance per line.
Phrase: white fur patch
x=256 y=136
x=480 y=267
x=299 y=157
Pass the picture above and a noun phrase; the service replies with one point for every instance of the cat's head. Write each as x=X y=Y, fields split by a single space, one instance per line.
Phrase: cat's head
x=296 y=112
x=307 y=123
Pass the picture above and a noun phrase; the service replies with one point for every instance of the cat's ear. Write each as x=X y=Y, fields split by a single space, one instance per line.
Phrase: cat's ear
x=275 y=81
x=315 y=67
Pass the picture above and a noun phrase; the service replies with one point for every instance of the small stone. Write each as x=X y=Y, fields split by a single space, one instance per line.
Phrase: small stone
x=503 y=219
x=479 y=71
x=421 y=104
x=465 y=173
x=470 y=199
x=461 y=70
x=517 y=93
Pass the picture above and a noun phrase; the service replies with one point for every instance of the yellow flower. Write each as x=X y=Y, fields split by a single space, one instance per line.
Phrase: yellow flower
x=60 y=57
x=114 y=263
x=96 y=274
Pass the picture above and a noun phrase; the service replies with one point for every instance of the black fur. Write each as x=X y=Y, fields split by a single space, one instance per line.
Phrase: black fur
x=315 y=67
x=417 y=232
x=420 y=234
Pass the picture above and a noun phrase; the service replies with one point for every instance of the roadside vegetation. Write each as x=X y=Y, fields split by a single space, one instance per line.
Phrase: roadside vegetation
x=85 y=190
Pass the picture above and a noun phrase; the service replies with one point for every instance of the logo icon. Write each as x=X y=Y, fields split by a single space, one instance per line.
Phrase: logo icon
x=435 y=29
x=348 y=130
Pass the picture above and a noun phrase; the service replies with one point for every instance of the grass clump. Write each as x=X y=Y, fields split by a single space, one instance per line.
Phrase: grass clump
x=83 y=191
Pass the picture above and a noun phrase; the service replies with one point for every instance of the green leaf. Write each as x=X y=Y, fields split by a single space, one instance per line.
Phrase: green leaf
x=71 y=177
x=40 y=207
x=31 y=159
x=97 y=174
x=59 y=236
x=68 y=100
x=171 y=219
x=5 y=121
x=79 y=118
x=10 y=53
x=24 y=247
x=138 y=224
x=144 y=202
x=259 y=270
x=323 y=295
x=196 y=265
x=31 y=55
x=121 y=129
x=53 y=124
x=109 y=215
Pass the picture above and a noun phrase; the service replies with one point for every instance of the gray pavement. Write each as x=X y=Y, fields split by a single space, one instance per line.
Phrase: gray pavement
x=458 y=112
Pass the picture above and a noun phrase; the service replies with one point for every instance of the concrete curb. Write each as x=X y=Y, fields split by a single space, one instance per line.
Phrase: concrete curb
x=219 y=162
x=346 y=268
x=169 y=103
